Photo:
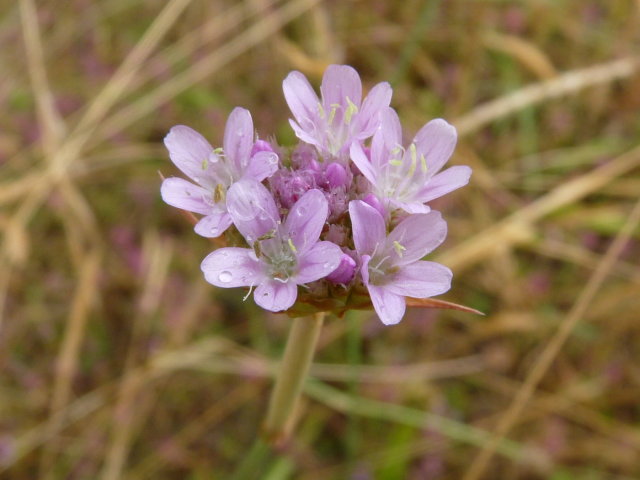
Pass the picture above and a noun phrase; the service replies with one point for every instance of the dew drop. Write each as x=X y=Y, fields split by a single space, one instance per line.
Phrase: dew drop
x=301 y=211
x=273 y=159
x=213 y=158
x=225 y=277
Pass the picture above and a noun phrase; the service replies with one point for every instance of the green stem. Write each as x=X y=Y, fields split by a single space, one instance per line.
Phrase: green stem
x=295 y=364
x=254 y=462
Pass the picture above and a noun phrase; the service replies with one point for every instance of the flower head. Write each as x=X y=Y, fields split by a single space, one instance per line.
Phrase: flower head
x=407 y=178
x=340 y=118
x=391 y=266
x=214 y=170
x=282 y=255
x=311 y=232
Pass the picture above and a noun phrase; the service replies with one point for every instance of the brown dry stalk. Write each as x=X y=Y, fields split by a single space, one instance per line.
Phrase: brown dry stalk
x=71 y=147
x=567 y=83
x=51 y=123
x=131 y=404
x=252 y=36
x=550 y=352
x=67 y=360
x=197 y=428
x=518 y=227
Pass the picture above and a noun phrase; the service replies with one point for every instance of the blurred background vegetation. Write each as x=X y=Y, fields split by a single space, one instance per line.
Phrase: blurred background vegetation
x=118 y=361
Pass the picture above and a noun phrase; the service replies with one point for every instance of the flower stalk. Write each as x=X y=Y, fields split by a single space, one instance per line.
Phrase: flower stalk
x=298 y=354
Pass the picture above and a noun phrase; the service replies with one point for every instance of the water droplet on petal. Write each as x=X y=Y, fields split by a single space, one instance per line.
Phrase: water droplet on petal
x=273 y=159
x=225 y=276
x=301 y=211
x=213 y=158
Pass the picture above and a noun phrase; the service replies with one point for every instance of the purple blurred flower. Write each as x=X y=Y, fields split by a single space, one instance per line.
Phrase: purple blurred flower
x=407 y=178
x=341 y=117
x=214 y=171
x=282 y=255
x=391 y=266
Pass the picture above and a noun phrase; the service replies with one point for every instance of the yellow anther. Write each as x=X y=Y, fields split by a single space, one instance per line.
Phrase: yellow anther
x=292 y=246
x=423 y=163
x=414 y=159
x=205 y=164
x=396 y=162
x=321 y=111
x=398 y=248
x=332 y=114
x=397 y=150
x=352 y=108
x=219 y=194
x=218 y=151
x=268 y=235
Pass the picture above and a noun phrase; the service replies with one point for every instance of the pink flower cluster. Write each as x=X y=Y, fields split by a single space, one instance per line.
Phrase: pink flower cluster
x=342 y=216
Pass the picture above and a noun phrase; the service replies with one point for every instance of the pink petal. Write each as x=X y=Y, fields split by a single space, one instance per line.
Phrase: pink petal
x=303 y=135
x=362 y=162
x=232 y=267
x=421 y=280
x=276 y=296
x=300 y=97
x=364 y=268
x=188 y=150
x=238 y=139
x=252 y=209
x=389 y=306
x=417 y=235
x=213 y=225
x=306 y=219
x=445 y=182
x=262 y=165
x=340 y=82
x=374 y=104
x=410 y=207
x=318 y=262
x=436 y=141
x=386 y=139
x=368 y=227
x=180 y=193
x=391 y=128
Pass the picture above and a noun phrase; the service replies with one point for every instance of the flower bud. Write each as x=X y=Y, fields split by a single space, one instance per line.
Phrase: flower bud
x=261 y=146
x=345 y=271
x=373 y=201
x=336 y=175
